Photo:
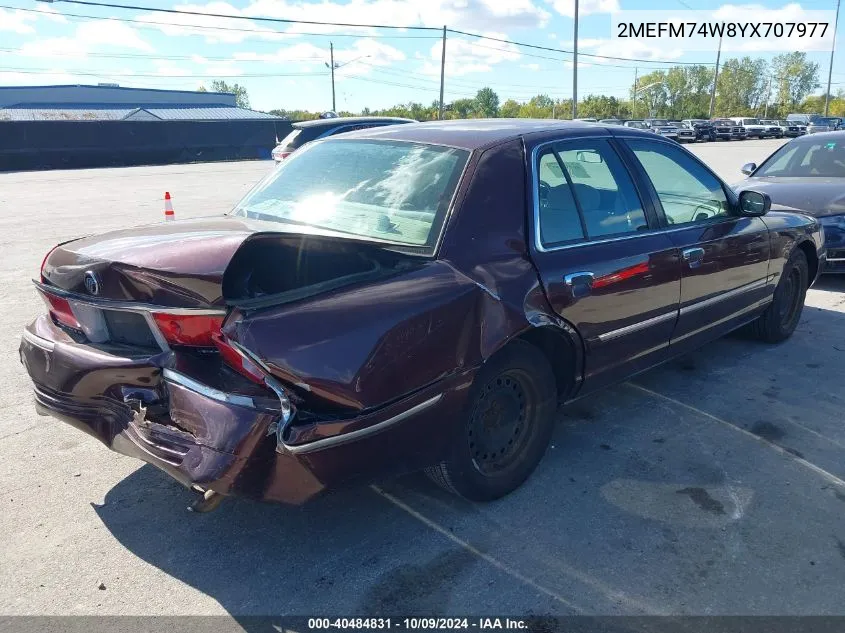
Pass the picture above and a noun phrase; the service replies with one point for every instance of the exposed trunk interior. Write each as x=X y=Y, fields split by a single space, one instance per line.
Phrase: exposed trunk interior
x=275 y=268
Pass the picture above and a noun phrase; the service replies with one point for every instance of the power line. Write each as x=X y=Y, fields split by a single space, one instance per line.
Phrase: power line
x=372 y=26
x=173 y=57
x=107 y=73
x=131 y=7
x=156 y=25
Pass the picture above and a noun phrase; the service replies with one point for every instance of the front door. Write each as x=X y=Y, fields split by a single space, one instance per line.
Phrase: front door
x=724 y=257
x=604 y=267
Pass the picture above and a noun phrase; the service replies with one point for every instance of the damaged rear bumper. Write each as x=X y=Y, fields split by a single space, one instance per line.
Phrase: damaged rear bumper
x=230 y=443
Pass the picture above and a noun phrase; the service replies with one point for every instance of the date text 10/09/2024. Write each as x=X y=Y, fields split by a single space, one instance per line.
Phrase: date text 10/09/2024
x=417 y=624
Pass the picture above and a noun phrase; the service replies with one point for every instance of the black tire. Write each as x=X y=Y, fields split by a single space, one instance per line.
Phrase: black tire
x=511 y=415
x=781 y=318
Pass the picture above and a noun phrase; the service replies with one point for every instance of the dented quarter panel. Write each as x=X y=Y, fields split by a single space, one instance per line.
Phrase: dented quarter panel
x=786 y=230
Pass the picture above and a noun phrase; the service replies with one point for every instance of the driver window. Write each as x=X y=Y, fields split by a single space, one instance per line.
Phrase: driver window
x=687 y=191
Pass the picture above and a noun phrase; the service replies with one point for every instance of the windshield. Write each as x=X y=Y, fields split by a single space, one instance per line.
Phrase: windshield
x=750 y=122
x=659 y=122
x=384 y=190
x=806 y=159
x=289 y=139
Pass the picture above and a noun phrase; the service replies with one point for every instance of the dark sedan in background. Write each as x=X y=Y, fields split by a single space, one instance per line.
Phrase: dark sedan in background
x=807 y=174
x=728 y=130
x=405 y=297
x=306 y=131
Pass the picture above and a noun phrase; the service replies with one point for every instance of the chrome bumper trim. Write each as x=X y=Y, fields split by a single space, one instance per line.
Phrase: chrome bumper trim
x=209 y=392
x=352 y=436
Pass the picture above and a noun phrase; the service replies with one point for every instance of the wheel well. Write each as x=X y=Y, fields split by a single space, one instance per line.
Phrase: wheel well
x=559 y=350
x=812 y=259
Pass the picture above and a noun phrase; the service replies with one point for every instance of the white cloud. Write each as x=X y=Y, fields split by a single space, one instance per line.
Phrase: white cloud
x=532 y=67
x=466 y=14
x=464 y=56
x=87 y=38
x=214 y=29
x=17 y=21
x=585 y=7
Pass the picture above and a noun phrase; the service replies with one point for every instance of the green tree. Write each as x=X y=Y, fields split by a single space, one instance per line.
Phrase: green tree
x=241 y=96
x=463 y=108
x=509 y=109
x=487 y=103
x=650 y=95
x=793 y=79
x=741 y=87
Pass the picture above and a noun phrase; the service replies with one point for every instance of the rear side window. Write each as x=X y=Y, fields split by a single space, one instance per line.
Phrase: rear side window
x=585 y=192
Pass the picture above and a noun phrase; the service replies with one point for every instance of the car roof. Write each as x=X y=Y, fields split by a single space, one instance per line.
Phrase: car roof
x=347 y=120
x=474 y=134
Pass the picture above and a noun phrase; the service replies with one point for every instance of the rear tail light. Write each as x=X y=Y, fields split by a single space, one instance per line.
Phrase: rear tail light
x=194 y=330
x=237 y=361
x=61 y=311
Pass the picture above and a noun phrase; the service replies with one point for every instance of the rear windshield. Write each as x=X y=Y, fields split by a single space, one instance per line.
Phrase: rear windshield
x=823 y=159
x=391 y=191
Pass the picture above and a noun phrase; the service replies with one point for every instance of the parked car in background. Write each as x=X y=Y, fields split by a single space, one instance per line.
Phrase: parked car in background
x=822 y=124
x=752 y=126
x=686 y=134
x=773 y=128
x=790 y=128
x=306 y=131
x=636 y=124
x=728 y=130
x=703 y=129
x=807 y=174
x=803 y=119
x=345 y=321
x=663 y=128
x=611 y=121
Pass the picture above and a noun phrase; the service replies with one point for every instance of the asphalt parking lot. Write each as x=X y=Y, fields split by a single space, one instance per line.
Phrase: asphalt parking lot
x=713 y=485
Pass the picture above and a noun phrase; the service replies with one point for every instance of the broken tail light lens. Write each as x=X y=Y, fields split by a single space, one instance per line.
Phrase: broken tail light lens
x=237 y=361
x=194 y=330
x=61 y=311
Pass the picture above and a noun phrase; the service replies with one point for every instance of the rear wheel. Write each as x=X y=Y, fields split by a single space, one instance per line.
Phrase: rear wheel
x=781 y=318
x=506 y=428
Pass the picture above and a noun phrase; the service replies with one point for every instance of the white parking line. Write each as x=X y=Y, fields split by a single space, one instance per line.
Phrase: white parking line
x=475 y=551
x=829 y=477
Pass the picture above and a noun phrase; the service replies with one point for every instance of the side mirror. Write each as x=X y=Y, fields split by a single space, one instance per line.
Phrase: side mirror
x=748 y=168
x=754 y=203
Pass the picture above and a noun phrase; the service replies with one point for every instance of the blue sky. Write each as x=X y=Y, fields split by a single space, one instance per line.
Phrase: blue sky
x=283 y=65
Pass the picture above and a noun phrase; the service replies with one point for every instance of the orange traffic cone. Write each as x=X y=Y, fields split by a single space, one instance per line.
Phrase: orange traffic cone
x=169 y=214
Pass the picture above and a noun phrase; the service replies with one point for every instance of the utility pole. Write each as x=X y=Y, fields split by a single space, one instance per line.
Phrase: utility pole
x=634 y=95
x=575 y=67
x=768 y=95
x=715 y=79
x=830 y=70
x=331 y=53
x=442 y=72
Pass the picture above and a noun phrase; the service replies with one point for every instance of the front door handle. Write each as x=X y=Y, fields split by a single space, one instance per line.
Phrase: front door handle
x=693 y=256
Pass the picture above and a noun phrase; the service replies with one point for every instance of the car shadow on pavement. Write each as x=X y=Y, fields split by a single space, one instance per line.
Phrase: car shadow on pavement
x=656 y=477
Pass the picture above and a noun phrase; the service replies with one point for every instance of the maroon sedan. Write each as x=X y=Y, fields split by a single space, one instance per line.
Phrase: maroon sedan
x=415 y=296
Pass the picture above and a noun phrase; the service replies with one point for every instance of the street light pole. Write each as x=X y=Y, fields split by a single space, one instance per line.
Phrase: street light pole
x=715 y=79
x=830 y=70
x=575 y=67
x=442 y=73
x=331 y=53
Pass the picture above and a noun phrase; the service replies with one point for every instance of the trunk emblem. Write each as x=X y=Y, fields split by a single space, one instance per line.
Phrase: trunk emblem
x=92 y=283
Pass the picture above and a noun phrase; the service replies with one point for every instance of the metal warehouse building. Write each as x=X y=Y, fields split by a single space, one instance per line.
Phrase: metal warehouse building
x=44 y=127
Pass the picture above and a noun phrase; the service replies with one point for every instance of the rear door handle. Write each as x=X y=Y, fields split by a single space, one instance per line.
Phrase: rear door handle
x=579 y=279
x=693 y=256
x=580 y=284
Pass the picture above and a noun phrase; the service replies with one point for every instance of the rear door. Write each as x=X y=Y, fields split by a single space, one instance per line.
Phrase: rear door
x=724 y=257
x=605 y=268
